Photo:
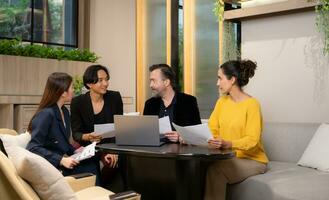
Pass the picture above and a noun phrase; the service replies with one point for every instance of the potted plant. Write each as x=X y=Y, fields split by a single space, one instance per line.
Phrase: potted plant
x=24 y=69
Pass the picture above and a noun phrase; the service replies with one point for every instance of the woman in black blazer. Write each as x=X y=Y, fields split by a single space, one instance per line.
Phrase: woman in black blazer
x=50 y=128
x=95 y=107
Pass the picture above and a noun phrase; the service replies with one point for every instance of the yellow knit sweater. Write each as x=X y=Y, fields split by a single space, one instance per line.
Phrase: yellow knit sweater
x=241 y=123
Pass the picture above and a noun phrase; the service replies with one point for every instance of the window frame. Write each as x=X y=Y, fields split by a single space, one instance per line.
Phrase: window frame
x=32 y=41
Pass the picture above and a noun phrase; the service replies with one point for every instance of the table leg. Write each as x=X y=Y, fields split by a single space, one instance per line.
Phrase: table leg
x=190 y=179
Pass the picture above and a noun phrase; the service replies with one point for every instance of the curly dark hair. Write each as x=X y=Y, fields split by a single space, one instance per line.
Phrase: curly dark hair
x=242 y=70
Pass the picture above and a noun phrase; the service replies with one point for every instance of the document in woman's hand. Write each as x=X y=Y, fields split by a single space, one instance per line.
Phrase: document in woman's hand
x=87 y=152
x=195 y=135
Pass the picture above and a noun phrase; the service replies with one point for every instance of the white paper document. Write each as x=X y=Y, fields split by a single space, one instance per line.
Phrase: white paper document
x=196 y=135
x=132 y=114
x=87 y=152
x=104 y=130
x=164 y=125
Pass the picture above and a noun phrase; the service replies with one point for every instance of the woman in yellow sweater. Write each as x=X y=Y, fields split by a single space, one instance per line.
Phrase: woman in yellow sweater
x=236 y=122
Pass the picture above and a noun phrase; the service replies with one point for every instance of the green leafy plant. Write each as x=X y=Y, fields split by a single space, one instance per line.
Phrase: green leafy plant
x=218 y=9
x=18 y=48
x=77 y=85
x=12 y=15
x=230 y=48
x=322 y=22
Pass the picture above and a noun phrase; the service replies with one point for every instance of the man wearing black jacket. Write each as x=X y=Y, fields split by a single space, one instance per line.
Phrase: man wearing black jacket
x=181 y=108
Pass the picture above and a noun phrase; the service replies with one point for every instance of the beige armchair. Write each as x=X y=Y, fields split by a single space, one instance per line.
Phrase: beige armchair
x=13 y=186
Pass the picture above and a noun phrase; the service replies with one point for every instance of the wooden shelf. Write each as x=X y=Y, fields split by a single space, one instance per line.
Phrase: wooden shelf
x=286 y=7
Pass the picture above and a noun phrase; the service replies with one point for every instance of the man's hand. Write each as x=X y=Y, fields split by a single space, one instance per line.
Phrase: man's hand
x=172 y=136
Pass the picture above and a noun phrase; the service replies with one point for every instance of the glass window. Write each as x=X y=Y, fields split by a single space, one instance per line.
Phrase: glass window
x=206 y=56
x=50 y=22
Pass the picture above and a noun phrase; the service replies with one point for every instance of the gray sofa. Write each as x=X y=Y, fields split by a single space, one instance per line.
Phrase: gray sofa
x=284 y=144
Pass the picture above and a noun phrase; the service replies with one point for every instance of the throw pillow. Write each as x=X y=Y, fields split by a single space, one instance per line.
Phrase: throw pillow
x=16 y=140
x=45 y=179
x=316 y=154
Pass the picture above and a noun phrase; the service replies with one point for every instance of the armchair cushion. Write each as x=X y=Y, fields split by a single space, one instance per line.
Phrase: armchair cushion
x=15 y=140
x=78 y=184
x=7 y=131
x=45 y=179
x=94 y=193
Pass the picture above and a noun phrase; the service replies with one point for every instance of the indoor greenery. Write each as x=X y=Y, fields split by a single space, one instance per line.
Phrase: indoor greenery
x=230 y=50
x=77 y=85
x=18 y=48
x=322 y=19
x=219 y=9
x=322 y=22
x=11 y=15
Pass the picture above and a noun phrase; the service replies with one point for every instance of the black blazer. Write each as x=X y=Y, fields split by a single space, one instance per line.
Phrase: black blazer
x=49 y=137
x=185 y=113
x=82 y=113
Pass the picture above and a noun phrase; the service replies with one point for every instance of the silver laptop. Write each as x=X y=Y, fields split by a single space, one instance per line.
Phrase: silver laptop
x=137 y=130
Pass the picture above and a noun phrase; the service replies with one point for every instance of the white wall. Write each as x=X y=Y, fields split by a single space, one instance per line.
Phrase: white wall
x=113 y=37
x=291 y=81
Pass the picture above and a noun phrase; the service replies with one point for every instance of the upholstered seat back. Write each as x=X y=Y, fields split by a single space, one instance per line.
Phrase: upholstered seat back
x=12 y=186
x=286 y=142
x=47 y=182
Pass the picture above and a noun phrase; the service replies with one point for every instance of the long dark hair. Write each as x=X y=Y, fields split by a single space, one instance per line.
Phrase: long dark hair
x=57 y=84
x=242 y=70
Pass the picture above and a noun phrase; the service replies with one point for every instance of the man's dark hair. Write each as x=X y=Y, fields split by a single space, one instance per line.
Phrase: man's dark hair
x=167 y=73
x=90 y=75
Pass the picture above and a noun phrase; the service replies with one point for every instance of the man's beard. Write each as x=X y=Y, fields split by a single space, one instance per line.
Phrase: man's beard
x=155 y=93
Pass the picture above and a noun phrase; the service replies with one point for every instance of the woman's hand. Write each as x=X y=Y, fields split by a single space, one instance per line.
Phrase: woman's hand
x=220 y=143
x=68 y=162
x=172 y=136
x=215 y=143
x=226 y=144
x=111 y=160
x=90 y=137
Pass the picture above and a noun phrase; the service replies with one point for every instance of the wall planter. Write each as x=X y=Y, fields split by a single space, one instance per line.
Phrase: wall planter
x=22 y=81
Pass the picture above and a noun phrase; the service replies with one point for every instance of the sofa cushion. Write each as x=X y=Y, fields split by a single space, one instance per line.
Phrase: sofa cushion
x=317 y=151
x=284 y=181
x=45 y=179
x=286 y=142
